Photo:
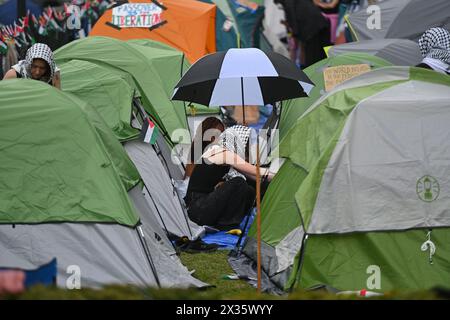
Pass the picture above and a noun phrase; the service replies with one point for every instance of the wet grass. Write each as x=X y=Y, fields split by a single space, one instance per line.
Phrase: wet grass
x=210 y=268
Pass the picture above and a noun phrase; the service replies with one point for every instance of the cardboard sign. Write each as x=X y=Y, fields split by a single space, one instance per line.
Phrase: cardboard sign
x=333 y=76
x=136 y=15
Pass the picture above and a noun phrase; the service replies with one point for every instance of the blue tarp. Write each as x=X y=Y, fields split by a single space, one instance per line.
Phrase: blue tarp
x=8 y=11
x=228 y=241
x=44 y=275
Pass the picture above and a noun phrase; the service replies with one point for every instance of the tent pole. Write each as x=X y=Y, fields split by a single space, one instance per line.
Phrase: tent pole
x=258 y=195
x=159 y=214
x=21 y=9
x=147 y=254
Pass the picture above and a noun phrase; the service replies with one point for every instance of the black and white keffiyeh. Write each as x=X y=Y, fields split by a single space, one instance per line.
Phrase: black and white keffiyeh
x=435 y=44
x=41 y=51
x=235 y=140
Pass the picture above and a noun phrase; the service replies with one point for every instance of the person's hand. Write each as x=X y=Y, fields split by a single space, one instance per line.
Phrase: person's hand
x=56 y=81
x=268 y=175
x=218 y=185
x=12 y=282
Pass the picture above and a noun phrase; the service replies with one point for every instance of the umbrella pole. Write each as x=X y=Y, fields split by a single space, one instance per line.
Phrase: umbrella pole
x=242 y=96
x=258 y=196
x=258 y=215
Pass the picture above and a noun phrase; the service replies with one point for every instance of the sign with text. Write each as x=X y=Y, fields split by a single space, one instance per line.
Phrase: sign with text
x=333 y=76
x=137 y=15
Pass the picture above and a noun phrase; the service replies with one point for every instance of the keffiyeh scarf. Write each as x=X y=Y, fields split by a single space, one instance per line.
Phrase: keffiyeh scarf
x=41 y=51
x=435 y=44
x=235 y=140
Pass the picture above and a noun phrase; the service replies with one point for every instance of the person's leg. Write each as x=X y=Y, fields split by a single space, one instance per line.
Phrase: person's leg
x=241 y=200
x=204 y=210
x=225 y=207
x=209 y=208
x=314 y=48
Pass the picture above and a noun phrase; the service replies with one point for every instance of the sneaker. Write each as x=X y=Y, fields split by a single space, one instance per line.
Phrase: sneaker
x=181 y=244
x=198 y=246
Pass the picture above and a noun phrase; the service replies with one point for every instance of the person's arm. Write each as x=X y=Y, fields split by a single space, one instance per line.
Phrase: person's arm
x=333 y=4
x=249 y=170
x=222 y=156
x=325 y=5
x=11 y=74
x=320 y=4
x=56 y=81
x=189 y=170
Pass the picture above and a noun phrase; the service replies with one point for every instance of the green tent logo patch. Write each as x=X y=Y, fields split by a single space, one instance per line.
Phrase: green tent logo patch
x=427 y=188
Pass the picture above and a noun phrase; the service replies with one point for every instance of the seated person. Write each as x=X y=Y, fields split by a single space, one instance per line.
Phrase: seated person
x=39 y=64
x=218 y=194
x=206 y=133
x=434 y=45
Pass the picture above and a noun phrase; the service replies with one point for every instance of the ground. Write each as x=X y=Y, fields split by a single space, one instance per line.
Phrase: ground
x=210 y=268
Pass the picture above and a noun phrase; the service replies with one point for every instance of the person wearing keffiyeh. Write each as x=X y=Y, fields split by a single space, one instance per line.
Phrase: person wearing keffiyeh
x=434 y=45
x=218 y=194
x=39 y=64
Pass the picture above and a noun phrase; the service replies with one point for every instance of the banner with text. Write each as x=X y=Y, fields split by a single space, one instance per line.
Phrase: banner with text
x=137 y=15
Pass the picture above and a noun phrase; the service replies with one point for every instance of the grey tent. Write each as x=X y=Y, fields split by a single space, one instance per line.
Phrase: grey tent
x=400 y=52
x=104 y=253
x=403 y=19
x=160 y=191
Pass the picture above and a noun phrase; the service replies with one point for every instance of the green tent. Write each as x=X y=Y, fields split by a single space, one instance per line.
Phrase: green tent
x=53 y=143
x=67 y=191
x=293 y=109
x=109 y=91
x=363 y=187
x=155 y=68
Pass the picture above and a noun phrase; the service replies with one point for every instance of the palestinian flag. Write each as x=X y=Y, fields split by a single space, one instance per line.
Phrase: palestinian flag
x=3 y=47
x=149 y=131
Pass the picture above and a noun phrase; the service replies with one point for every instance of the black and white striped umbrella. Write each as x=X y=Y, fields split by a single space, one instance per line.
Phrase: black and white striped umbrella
x=242 y=77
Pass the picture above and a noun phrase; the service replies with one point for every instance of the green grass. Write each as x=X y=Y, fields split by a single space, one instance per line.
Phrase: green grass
x=209 y=268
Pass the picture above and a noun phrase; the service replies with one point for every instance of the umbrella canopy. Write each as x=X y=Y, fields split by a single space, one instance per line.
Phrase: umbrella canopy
x=242 y=77
x=405 y=19
x=399 y=52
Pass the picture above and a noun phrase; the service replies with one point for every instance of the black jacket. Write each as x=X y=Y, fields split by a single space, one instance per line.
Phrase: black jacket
x=304 y=18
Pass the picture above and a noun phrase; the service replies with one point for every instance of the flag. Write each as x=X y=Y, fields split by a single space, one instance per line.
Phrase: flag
x=3 y=48
x=149 y=131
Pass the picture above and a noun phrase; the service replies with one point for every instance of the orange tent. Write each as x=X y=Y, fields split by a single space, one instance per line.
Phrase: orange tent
x=187 y=25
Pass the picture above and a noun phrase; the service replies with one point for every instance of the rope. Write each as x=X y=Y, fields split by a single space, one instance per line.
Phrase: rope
x=429 y=245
